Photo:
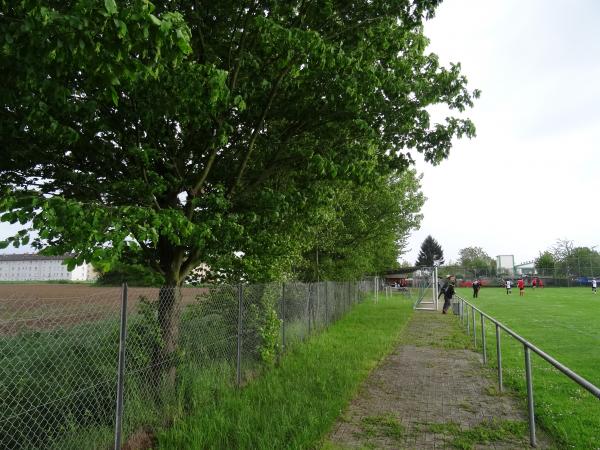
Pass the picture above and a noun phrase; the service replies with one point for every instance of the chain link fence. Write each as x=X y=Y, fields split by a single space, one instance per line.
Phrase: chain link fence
x=570 y=272
x=100 y=370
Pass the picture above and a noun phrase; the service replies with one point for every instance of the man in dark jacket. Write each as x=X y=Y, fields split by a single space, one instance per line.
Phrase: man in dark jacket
x=448 y=291
x=444 y=286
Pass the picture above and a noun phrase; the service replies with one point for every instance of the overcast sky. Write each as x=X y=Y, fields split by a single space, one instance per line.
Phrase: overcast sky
x=532 y=172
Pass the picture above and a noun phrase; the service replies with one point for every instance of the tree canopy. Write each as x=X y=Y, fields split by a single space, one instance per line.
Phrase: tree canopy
x=545 y=262
x=363 y=229
x=475 y=259
x=431 y=251
x=188 y=132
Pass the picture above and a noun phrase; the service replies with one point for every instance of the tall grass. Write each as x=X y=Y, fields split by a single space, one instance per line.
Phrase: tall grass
x=293 y=405
x=58 y=385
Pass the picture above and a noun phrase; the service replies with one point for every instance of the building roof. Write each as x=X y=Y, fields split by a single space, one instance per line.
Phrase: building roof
x=32 y=257
x=526 y=265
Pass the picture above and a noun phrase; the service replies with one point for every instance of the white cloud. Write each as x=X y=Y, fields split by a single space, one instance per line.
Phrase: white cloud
x=533 y=171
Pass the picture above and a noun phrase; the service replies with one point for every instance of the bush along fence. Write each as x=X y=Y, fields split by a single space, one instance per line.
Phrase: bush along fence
x=468 y=318
x=93 y=371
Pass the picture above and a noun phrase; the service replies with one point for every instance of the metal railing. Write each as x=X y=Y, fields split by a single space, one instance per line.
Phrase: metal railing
x=469 y=320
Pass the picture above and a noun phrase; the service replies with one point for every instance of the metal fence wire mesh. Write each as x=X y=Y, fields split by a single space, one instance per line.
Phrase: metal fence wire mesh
x=59 y=356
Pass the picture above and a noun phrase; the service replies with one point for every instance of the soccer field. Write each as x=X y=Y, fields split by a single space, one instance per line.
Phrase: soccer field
x=565 y=323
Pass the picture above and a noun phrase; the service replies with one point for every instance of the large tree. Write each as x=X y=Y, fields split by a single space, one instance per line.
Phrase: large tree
x=196 y=131
x=362 y=229
x=475 y=259
x=545 y=263
x=431 y=252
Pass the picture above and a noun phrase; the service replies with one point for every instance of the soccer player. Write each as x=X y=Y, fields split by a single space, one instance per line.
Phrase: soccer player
x=508 y=287
x=521 y=286
x=476 y=286
x=594 y=285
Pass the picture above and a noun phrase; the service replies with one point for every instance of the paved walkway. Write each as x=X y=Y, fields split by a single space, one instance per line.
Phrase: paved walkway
x=432 y=393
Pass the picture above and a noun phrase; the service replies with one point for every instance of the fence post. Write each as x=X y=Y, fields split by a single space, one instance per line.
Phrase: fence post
x=530 y=407
x=283 y=316
x=239 y=336
x=326 y=303
x=308 y=306
x=483 y=339
x=316 y=311
x=121 y=368
x=348 y=293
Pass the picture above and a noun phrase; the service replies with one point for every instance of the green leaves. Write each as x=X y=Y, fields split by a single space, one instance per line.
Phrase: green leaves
x=110 y=6
x=188 y=135
x=155 y=20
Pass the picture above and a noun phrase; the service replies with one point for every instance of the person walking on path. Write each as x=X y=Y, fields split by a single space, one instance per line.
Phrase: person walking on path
x=448 y=294
x=521 y=286
x=476 y=287
x=594 y=285
x=444 y=286
x=508 y=287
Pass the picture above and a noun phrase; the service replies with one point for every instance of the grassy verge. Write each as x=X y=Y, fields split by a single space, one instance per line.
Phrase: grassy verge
x=563 y=323
x=295 y=404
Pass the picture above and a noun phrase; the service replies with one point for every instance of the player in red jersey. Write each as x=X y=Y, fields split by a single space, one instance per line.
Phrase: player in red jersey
x=521 y=286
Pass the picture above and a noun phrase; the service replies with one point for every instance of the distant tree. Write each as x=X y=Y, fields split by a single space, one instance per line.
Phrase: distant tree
x=133 y=274
x=451 y=268
x=583 y=260
x=430 y=252
x=475 y=259
x=562 y=249
x=361 y=229
x=565 y=260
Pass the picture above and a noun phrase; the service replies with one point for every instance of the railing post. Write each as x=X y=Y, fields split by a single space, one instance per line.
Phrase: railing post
x=121 y=369
x=483 y=339
x=239 y=336
x=499 y=357
x=530 y=407
x=474 y=330
x=283 y=316
x=468 y=321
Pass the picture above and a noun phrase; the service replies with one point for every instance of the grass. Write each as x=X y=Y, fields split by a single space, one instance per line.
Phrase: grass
x=385 y=425
x=294 y=405
x=563 y=322
x=485 y=433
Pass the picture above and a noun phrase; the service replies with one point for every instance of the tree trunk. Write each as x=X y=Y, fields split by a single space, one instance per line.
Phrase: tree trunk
x=164 y=360
x=169 y=309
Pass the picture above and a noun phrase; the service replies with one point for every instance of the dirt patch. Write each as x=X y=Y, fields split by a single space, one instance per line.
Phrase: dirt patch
x=431 y=393
x=32 y=307
x=142 y=439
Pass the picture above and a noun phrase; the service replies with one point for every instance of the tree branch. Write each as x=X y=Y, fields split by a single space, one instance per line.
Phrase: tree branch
x=241 y=46
x=257 y=129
